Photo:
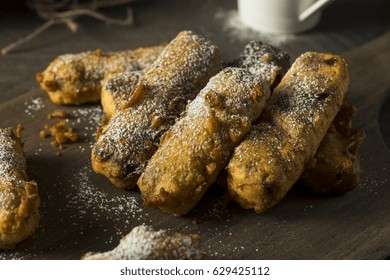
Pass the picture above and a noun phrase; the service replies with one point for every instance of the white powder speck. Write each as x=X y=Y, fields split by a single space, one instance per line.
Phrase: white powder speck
x=35 y=104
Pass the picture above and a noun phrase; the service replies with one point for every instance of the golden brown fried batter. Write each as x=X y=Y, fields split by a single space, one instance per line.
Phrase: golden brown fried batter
x=77 y=78
x=335 y=168
x=199 y=145
x=132 y=135
x=19 y=199
x=146 y=243
x=117 y=90
x=273 y=156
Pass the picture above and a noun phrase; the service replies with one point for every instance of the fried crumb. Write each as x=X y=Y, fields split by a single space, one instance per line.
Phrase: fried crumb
x=57 y=154
x=42 y=134
x=57 y=114
x=195 y=221
x=61 y=133
x=19 y=130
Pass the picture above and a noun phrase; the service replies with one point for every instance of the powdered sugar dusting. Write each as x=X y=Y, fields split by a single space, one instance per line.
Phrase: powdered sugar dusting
x=268 y=62
x=89 y=199
x=238 y=31
x=89 y=206
x=10 y=159
x=91 y=118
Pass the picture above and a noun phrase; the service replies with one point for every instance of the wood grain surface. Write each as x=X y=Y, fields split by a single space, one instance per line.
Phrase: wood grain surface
x=82 y=211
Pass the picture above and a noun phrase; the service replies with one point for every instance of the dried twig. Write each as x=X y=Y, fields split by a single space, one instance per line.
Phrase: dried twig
x=29 y=37
x=65 y=12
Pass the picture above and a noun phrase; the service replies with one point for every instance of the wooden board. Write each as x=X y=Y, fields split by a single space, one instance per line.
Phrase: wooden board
x=82 y=211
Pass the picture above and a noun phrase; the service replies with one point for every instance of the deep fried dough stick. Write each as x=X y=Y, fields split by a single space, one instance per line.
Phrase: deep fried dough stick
x=146 y=243
x=132 y=135
x=199 y=145
x=273 y=156
x=335 y=168
x=77 y=78
x=19 y=199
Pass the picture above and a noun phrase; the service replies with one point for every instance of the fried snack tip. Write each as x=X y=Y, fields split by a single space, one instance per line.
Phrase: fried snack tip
x=335 y=168
x=273 y=156
x=19 y=199
x=132 y=135
x=266 y=61
x=117 y=90
x=146 y=243
x=199 y=145
x=77 y=78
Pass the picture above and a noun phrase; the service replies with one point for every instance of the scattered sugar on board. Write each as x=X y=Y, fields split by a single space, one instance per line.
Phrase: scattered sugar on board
x=88 y=209
x=90 y=199
x=91 y=119
x=238 y=31
x=371 y=184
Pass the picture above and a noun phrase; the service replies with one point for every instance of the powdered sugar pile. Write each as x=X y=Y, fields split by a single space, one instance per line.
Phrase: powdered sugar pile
x=145 y=243
x=238 y=31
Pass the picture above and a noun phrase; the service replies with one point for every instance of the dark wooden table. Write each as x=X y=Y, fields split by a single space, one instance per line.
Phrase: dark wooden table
x=69 y=232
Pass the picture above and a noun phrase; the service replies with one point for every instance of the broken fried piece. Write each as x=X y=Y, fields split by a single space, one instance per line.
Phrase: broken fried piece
x=335 y=168
x=57 y=114
x=61 y=133
x=146 y=243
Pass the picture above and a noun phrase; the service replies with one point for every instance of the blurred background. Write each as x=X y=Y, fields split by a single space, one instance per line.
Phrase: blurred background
x=345 y=24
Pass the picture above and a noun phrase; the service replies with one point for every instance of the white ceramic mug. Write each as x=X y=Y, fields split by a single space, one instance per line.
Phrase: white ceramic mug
x=281 y=16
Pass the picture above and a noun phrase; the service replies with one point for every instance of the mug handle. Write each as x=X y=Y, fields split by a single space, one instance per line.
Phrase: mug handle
x=313 y=9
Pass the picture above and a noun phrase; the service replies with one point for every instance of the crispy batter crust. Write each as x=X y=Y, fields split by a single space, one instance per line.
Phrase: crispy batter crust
x=273 y=156
x=77 y=78
x=117 y=90
x=146 y=243
x=335 y=168
x=199 y=145
x=19 y=199
x=132 y=135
